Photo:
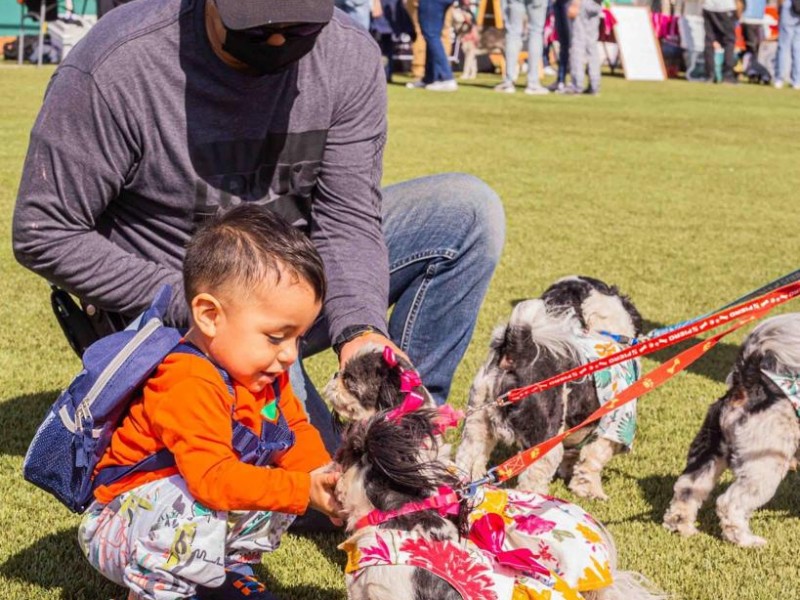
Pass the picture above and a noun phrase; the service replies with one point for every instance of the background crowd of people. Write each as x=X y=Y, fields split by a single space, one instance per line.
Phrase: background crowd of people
x=560 y=38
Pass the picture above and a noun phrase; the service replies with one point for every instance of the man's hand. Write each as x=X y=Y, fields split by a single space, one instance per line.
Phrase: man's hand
x=350 y=348
x=322 y=495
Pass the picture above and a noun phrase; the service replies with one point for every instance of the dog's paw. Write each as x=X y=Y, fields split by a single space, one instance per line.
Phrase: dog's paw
x=753 y=541
x=587 y=488
x=677 y=523
x=744 y=539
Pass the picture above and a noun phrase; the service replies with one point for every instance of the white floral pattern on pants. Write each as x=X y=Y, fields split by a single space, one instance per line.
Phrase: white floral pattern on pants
x=159 y=542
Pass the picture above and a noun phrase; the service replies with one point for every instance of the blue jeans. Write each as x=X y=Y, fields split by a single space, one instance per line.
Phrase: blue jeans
x=431 y=22
x=515 y=11
x=359 y=10
x=445 y=235
x=788 y=45
x=564 y=31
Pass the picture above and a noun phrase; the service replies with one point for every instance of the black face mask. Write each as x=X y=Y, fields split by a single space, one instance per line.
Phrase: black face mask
x=262 y=57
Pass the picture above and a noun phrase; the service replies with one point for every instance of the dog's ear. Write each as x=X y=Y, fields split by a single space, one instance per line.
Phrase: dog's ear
x=635 y=315
x=364 y=375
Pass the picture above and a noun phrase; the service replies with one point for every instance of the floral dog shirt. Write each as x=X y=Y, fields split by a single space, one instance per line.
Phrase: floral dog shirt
x=521 y=546
x=620 y=425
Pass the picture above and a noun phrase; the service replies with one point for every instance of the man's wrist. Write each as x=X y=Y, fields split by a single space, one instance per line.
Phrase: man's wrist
x=352 y=332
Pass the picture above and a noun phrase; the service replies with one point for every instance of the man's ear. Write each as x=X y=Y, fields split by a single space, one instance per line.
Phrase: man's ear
x=206 y=314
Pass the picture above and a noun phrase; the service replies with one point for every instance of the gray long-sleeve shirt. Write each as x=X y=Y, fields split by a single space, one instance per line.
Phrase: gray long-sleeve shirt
x=144 y=132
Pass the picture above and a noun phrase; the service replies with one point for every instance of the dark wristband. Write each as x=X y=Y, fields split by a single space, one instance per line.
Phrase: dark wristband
x=352 y=332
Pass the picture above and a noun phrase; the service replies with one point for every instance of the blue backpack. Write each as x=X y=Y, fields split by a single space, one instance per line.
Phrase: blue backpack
x=77 y=430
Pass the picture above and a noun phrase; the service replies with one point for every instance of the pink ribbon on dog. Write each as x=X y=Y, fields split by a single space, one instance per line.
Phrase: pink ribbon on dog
x=489 y=532
x=389 y=356
x=410 y=403
x=448 y=417
x=409 y=380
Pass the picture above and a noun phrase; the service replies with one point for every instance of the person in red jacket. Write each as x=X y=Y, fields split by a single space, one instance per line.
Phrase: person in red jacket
x=254 y=285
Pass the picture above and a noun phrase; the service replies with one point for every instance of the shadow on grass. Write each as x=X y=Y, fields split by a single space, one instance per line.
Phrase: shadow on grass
x=56 y=562
x=715 y=365
x=307 y=592
x=19 y=418
x=657 y=491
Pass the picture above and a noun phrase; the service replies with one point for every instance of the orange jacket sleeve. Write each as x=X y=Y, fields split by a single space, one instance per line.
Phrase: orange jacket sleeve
x=195 y=425
x=308 y=452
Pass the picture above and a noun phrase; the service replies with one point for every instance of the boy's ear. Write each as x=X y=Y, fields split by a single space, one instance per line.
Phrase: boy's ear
x=206 y=313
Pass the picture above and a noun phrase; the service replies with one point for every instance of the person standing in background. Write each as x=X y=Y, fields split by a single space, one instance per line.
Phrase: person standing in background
x=418 y=48
x=515 y=11
x=752 y=20
x=788 y=45
x=564 y=33
x=719 y=17
x=584 y=51
x=438 y=75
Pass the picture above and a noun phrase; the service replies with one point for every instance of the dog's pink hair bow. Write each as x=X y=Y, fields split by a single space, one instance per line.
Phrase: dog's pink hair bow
x=410 y=403
x=389 y=356
x=489 y=532
x=409 y=380
x=448 y=417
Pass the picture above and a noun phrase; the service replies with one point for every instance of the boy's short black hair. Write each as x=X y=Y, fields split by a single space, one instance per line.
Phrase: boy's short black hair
x=245 y=245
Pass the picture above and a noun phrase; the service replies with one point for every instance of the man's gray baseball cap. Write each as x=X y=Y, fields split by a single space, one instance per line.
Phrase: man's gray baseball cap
x=244 y=14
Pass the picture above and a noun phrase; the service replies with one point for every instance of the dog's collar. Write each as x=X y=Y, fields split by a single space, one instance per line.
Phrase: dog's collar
x=623 y=340
x=446 y=502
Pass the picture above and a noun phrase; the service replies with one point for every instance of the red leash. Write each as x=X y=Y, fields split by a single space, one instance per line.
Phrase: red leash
x=652 y=380
x=758 y=305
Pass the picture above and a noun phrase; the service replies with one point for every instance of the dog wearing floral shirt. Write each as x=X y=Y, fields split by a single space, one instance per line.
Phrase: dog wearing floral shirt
x=576 y=320
x=753 y=429
x=493 y=545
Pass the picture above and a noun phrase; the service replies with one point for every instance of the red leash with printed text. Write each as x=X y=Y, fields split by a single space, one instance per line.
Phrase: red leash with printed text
x=652 y=380
x=759 y=305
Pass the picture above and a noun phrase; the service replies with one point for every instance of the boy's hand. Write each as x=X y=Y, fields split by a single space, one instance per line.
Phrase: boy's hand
x=322 y=496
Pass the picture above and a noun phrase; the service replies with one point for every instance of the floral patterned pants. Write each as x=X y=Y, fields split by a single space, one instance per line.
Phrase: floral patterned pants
x=159 y=542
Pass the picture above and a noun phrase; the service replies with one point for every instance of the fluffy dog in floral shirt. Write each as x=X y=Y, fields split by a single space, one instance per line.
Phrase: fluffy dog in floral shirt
x=576 y=320
x=495 y=545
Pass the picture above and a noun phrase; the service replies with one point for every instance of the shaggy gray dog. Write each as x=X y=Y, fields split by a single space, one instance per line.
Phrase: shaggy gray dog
x=753 y=430
x=544 y=338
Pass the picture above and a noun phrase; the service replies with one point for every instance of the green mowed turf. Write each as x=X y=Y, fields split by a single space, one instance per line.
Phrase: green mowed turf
x=683 y=195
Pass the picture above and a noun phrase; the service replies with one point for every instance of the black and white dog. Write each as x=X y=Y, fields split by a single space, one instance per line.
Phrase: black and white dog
x=373 y=379
x=753 y=429
x=388 y=462
x=545 y=337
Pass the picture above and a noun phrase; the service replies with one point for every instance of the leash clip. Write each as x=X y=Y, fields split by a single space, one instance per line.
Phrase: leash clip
x=502 y=399
x=470 y=490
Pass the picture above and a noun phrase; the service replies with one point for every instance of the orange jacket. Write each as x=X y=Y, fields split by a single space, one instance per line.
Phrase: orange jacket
x=186 y=408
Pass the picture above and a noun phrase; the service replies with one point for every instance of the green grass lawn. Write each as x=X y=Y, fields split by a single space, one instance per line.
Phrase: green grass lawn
x=682 y=194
